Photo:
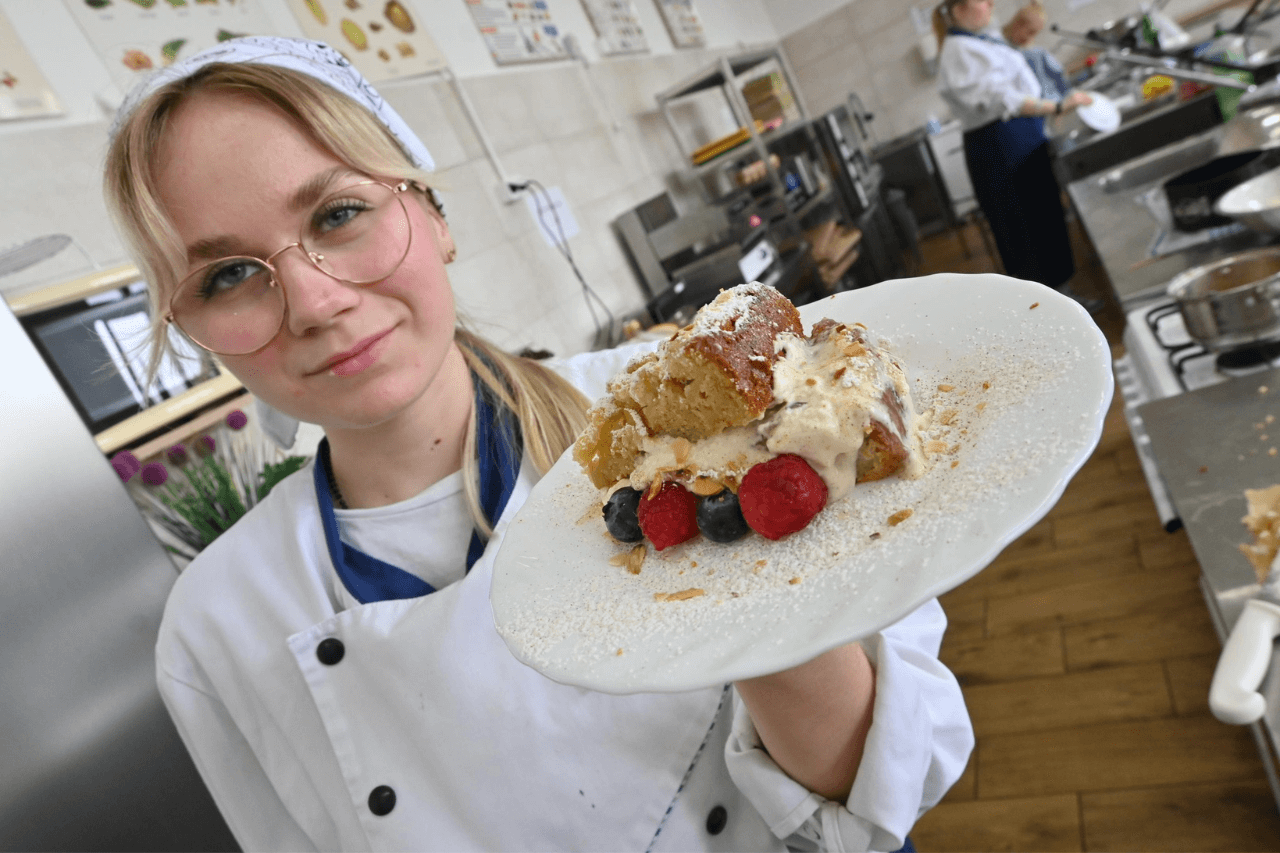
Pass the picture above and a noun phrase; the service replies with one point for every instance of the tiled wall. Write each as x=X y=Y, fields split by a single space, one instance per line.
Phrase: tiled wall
x=870 y=47
x=594 y=131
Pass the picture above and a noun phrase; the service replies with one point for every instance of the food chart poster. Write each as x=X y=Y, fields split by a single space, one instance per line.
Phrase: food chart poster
x=683 y=23
x=617 y=26
x=136 y=36
x=383 y=40
x=24 y=92
x=517 y=31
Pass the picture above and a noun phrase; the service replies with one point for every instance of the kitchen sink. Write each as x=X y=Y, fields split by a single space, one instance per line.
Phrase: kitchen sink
x=1163 y=162
x=1146 y=129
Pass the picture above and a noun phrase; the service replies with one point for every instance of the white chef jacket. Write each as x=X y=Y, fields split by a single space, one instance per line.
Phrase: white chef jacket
x=983 y=80
x=480 y=751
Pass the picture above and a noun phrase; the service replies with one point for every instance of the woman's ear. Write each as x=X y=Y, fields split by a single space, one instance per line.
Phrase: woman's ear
x=444 y=237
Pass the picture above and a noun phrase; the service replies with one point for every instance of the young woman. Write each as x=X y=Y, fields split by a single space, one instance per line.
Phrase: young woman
x=331 y=662
x=999 y=101
x=1020 y=31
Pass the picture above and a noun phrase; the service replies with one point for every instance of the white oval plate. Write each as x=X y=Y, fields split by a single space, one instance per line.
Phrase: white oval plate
x=1103 y=115
x=1024 y=377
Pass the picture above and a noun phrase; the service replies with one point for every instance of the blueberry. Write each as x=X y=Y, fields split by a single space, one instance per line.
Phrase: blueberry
x=620 y=515
x=720 y=518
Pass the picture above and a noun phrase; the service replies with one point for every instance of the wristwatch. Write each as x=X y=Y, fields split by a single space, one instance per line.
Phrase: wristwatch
x=1057 y=108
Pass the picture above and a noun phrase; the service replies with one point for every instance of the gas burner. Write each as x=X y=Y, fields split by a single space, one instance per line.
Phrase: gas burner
x=1248 y=357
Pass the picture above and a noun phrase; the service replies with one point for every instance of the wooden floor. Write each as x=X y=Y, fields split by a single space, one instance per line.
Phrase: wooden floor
x=1085 y=652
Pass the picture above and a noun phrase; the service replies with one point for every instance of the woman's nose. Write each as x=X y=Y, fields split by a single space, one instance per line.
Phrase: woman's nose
x=313 y=299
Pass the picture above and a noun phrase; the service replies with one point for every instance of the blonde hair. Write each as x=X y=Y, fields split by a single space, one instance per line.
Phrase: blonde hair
x=1032 y=13
x=550 y=412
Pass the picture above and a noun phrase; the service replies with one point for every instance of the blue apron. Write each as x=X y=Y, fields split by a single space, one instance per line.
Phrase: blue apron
x=1012 y=174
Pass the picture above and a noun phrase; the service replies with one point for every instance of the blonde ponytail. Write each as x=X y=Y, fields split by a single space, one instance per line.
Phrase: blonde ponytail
x=550 y=411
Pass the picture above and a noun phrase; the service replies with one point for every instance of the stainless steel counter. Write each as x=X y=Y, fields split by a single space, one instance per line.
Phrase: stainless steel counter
x=1209 y=447
x=1122 y=230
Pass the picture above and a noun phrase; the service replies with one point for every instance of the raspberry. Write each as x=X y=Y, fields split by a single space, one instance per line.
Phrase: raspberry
x=781 y=496
x=669 y=517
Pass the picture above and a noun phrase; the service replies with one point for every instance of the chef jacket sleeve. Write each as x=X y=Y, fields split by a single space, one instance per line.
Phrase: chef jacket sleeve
x=983 y=78
x=245 y=797
x=918 y=745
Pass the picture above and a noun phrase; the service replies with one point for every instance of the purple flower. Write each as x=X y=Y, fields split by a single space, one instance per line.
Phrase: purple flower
x=236 y=419
x=177 y=454
x=205 y=445
x=125 y=465
x=154 y=474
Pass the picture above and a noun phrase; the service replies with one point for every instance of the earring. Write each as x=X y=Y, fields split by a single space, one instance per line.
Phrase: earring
x=453 y=253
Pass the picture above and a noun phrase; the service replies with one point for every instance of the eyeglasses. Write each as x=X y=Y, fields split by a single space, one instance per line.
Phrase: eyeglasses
x=358 y=235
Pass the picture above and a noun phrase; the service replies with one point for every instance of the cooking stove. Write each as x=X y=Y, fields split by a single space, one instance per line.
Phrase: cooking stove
x=1161 y=360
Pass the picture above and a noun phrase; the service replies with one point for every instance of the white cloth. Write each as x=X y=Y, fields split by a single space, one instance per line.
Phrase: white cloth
x=313 y=58
x=397 y=534
x=984 y=81
x=481 y=751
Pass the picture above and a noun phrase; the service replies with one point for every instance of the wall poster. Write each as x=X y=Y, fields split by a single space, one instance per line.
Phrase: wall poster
x=135 y=36
x=517 y=30
x=617 y=26
x=24 y=92
x=683 y=23
x=381 y=39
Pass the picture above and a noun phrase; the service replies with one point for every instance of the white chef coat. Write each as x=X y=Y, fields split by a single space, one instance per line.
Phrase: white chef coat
x=480 y=751
x=983 y=80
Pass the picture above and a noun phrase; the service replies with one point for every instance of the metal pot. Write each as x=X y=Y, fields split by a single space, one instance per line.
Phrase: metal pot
x=1233 y=302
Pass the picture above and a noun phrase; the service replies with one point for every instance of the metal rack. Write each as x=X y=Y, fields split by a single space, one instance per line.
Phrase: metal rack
x=797 y=135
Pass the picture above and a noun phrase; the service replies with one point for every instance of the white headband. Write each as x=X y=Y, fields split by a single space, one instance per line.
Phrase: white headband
x=313 y=58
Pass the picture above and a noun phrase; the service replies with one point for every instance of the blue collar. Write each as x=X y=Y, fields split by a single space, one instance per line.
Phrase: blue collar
x=498 y=449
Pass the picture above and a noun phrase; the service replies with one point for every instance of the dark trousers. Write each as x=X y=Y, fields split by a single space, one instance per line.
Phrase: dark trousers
x=1019 y=196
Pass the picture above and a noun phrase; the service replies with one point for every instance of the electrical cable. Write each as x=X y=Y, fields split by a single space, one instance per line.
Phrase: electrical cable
x=540 y=195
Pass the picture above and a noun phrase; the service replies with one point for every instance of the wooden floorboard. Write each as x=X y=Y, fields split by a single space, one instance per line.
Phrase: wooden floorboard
x=1085 y=652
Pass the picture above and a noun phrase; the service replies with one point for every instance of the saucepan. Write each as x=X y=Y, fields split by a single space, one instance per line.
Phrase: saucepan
x=1232 y=302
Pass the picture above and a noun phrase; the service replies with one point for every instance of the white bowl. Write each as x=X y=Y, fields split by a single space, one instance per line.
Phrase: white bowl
x=1255 y=202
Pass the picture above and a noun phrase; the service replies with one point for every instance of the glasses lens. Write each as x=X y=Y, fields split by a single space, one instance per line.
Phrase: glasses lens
x=229 y=307
x=360 y=234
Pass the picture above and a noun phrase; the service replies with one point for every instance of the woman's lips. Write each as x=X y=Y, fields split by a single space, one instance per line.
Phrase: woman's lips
x=357 y=359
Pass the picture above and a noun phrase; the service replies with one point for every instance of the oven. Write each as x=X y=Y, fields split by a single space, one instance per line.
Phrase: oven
x=1172 y=387
x=93 y=332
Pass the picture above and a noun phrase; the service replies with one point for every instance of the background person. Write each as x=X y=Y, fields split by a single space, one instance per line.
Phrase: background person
x=994 y=93
x=331 y=661
x=1020 y=32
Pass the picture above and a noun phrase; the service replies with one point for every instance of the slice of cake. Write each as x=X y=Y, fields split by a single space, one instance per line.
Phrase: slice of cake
x=741 y=386
x=1263 y=521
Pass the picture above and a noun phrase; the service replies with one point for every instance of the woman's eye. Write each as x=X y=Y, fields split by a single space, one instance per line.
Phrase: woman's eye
x=337 y=213
x=221 y=280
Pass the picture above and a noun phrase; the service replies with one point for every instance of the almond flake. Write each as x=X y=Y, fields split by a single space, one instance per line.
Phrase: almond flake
x=682 y=448
x=899 y=517
x=692 y=592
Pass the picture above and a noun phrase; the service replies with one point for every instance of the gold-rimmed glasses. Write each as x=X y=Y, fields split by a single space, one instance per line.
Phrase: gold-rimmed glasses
x=358 y=235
